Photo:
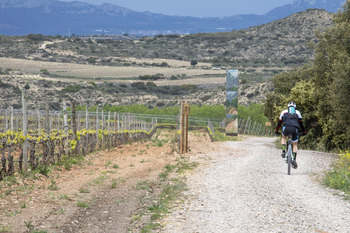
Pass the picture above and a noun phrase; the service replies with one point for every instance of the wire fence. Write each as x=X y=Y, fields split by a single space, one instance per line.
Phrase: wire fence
x=34 y=139
x=245 y=127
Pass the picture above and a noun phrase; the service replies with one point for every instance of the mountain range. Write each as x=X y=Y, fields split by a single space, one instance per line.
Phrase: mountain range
x=53 y=17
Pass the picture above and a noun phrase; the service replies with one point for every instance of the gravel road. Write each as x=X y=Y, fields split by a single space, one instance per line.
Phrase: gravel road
x=245 y=188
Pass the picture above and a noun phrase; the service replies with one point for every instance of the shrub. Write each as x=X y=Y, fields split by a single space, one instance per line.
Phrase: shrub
x=45 y=71
x=27 y=87
x=72 y=88
x=164 y=64
x=151 y=86
x=151 y=77
x=139 y=85
x=339 y=178
x=36 y=37
x=194 y=63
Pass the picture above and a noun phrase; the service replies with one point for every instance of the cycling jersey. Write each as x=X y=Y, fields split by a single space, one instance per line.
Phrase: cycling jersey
x=290 y=120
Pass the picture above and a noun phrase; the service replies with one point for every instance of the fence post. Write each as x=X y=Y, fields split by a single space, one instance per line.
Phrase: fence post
x=115 y=122
x=185 y=111
x=25 y=131
x=78 y=122
x=74 y=121
x=97 y=129
x=11 y=119
x=246 y=126
x=109 y=122
x=47 y=117
x=65 y=126
x=58 y=121
x=103 y=127
x=38 y=115
x=87 y=117
x=253 y=128
x=118 y=123
x=87 y=126
x=6 y=118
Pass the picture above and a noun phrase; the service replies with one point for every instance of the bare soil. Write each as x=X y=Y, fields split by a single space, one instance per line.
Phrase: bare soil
x=84 y=72
x=51 y=203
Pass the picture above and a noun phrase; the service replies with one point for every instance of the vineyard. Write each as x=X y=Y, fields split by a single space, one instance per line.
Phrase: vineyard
x=33 y=139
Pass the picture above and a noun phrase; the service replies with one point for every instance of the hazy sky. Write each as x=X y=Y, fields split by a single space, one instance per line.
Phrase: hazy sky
x=198 y=8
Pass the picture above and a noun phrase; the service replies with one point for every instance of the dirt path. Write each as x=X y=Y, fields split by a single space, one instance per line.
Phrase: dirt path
x=244 y=188
x=239 y=187
x=95 y=195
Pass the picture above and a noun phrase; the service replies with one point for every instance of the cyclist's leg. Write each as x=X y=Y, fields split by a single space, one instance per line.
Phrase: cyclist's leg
x=295 y=147
x=295 y=139
x=284 y=142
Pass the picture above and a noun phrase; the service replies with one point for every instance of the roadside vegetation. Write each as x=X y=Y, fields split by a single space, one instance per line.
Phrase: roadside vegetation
x=320 y=89
x=163 y=194
x=339 y=177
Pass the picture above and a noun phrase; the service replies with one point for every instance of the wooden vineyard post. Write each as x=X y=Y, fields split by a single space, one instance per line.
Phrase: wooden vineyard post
x=25 y=131
x=12 y=119
x=118 y=123
x=78 y=122
x=115 y=122
x=109 y=122
x=103 y=128
x=58 y=121
x=6 y=118
x=185 y=111
x=74 y=121
x=87 y=125
x=97 y=128
x=65 y=126
x=108 y=129
x=47 y=117
x=38 y=115
x=87 y=117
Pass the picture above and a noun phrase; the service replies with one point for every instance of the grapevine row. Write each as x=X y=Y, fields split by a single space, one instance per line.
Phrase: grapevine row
x=53 y=136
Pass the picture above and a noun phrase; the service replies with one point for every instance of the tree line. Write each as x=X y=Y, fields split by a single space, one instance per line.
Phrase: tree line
x=320 y=88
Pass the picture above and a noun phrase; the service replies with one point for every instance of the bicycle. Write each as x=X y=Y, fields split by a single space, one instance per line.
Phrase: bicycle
x=289 y=153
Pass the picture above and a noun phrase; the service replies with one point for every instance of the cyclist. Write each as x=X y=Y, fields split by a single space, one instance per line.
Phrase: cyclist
x=292 y=120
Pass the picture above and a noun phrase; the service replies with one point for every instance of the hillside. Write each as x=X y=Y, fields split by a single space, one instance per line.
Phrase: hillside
x=279 y=43
x=21 y=17
x=258 y=52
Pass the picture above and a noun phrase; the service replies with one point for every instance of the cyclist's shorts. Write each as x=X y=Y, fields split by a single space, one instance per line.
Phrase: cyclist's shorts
x=291 y=132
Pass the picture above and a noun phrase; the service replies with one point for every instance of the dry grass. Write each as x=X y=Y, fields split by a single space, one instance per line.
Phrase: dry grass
x=91 y=71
